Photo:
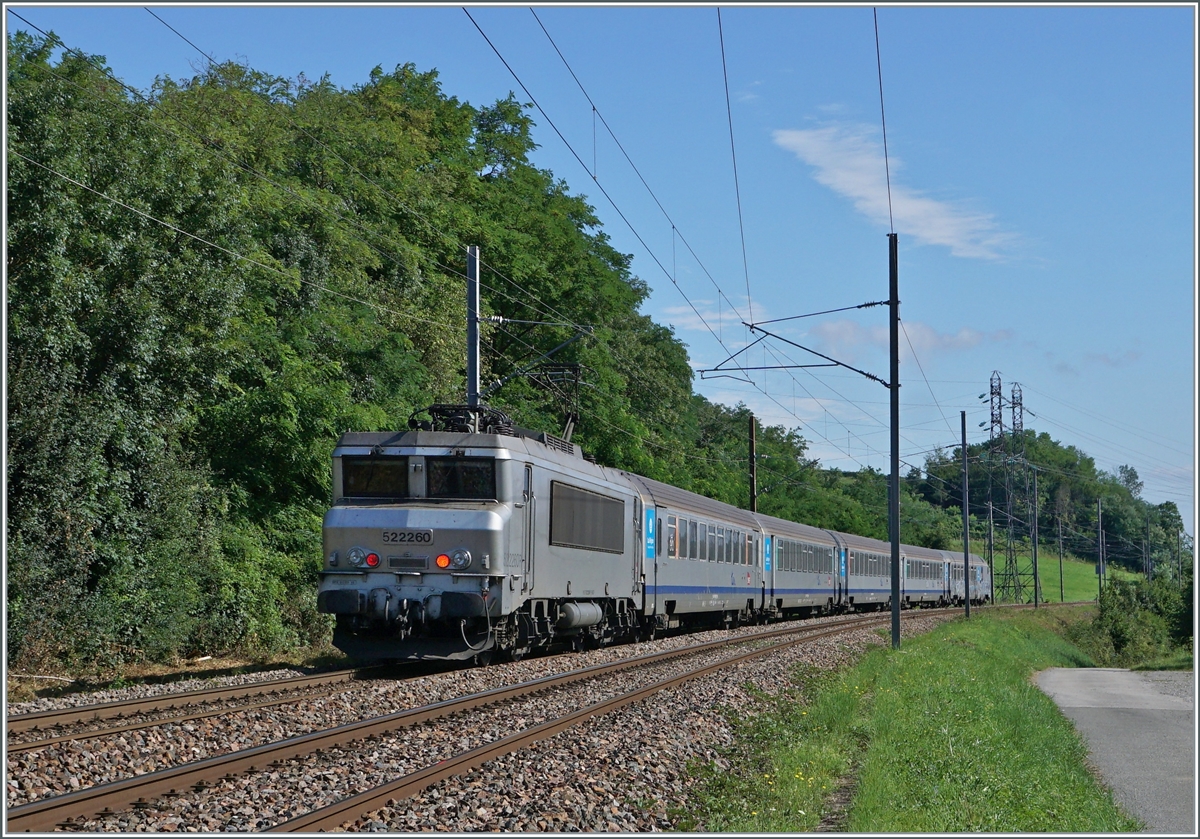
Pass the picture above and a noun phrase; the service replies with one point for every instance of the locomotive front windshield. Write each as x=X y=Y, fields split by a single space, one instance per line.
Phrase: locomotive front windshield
x=375 y=477
x=461 y=477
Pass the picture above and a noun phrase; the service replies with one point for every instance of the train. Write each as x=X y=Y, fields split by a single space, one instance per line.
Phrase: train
x=467 y=537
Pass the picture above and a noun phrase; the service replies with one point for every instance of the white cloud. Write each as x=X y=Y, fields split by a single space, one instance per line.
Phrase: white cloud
x=849 y=161
x=749 y=95
x=846 y=340
x=722 y=319
x=1106 y=360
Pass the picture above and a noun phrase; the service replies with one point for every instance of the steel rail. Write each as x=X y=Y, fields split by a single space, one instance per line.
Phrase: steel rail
x=60 y=810
x=169 y=701
x=335 y=815
x=92 y=734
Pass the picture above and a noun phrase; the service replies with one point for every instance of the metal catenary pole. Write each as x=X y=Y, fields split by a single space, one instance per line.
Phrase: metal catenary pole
x=473 y=326
x=1146 y=550
x=894 y=483
x=966 y=522
x=1033 y=527
x=753 y=470
x=1061 y=596
x=991 y=537
x=1099 y=546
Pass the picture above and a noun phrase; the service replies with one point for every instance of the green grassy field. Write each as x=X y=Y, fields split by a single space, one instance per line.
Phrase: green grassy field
x=1078 y=581
x=945 y=735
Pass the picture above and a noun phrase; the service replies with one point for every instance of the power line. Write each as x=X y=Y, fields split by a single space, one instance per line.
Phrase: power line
x=733 y=153
x=720 y=292
x=1121 y=426
x=923 y=376
x=618 y=210
x=670 y=275
x=221 y=248
x=403 y=205
x=883 y=121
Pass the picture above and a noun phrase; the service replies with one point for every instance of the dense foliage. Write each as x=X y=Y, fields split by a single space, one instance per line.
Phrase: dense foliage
x=206 y=285
x=1140 y=621
x=1068 y=489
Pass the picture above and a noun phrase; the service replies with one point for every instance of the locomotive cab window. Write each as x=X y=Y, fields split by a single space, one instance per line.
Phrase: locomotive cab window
x=461 y=477
x=375 y=477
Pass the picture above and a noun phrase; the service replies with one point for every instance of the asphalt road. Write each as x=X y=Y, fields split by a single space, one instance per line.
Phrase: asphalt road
x=1141 y=735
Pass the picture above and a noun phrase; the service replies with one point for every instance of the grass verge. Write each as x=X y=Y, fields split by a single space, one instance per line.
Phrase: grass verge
x=946 y=735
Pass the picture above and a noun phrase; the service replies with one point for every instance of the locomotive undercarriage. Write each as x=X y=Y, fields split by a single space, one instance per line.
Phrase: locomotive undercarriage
x=466 y=630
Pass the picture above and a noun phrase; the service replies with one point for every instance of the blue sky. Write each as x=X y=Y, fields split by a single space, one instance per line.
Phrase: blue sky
x=1043 y=186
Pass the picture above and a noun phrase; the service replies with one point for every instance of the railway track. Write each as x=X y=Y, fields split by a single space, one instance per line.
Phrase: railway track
x=335 y=815
x=140 y=791
x=56 y=719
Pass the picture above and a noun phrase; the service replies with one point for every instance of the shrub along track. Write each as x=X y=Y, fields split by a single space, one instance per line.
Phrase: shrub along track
x=141 y=790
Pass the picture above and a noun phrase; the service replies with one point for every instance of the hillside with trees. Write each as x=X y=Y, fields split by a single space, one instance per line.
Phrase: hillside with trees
x=208 y=284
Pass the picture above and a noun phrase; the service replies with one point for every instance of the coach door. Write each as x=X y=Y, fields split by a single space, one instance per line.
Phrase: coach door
x=638 y=545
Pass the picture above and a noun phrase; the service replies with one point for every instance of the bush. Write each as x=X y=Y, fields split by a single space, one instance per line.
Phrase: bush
x=1137 y=621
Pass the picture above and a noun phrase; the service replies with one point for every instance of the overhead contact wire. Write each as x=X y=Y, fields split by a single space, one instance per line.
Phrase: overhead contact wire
x=733 y=153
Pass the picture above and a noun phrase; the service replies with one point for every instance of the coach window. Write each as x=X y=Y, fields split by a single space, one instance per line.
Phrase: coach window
x=720 y=544
x=692 y=546
x=702 y=532
x=670 y=536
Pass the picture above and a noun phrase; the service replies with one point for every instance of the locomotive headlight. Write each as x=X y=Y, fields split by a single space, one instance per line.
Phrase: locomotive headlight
x=460 y=559
x=356 y=557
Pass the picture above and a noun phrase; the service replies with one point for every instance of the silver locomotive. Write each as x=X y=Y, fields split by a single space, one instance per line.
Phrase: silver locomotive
x=466 y=537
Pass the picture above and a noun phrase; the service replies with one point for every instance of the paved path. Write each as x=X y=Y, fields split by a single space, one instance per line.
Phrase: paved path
x=1141 y=736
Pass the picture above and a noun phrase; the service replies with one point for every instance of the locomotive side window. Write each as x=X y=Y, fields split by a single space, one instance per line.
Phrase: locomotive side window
x=580 y=518
x=375 y=477
x=461 y=477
